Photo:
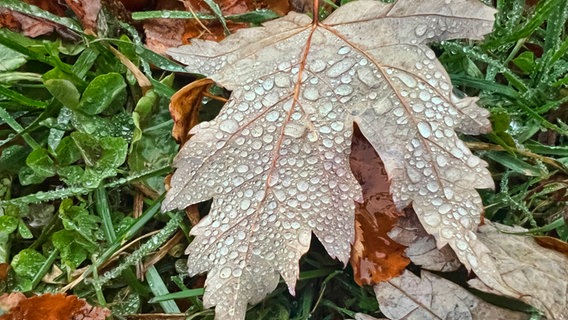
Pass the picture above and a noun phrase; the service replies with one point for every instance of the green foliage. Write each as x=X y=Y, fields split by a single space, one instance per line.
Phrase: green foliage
x=519 y=72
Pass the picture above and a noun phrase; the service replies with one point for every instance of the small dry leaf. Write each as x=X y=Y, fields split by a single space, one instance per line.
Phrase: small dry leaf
x=410 y=297
x=538 y=275
x=276 y=158
x=374 y=256
x=55 y=307
x=184 y=108
x=422 y=248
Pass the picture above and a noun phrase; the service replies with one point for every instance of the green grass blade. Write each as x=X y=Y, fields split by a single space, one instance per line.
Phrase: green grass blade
x=159 y=288
x=102 y=205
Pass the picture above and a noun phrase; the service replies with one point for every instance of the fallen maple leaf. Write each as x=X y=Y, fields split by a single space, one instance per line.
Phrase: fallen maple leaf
x=432 y=297
x=276 y=158
x=53 y=307
x=375 y=257
x=538 y=275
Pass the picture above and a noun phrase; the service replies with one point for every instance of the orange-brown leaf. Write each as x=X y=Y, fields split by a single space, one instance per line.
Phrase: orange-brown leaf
x=184 y=108
x=374 y=257
x=55 y=307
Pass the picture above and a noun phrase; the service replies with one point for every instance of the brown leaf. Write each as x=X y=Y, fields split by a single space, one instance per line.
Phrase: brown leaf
x=539 y=276
x=422 y=248
x=184 y=108
x=162 y=34
x=432 y=297
x=374 y=256
x=55 y=307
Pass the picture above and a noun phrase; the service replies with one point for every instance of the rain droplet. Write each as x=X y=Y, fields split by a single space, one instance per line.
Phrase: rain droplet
x=272 y=116
x=340 y=67
x=344 y=50
x=294 y=130
x=420 y=30
x=304 y=237
x=302 y=186
x=225 y=272
x=424 y=95
x=424 y=129
x=462 y=245
x=245 y=204
x=407 y=80
x=268 y=84
x=317 y=66
x=432 y=220
x=229 y=126
x=328 y=238
x=311 y=93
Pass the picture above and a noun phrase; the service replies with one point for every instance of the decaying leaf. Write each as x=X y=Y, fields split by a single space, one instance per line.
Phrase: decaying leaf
x=539 y=275
x=374 y=256
x=276 y=158
x=53 y=307
x=422 y=248
x=164 y=33
x=432 y=297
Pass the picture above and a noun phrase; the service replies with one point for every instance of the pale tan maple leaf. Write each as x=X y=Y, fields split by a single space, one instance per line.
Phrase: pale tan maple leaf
x=276 y=158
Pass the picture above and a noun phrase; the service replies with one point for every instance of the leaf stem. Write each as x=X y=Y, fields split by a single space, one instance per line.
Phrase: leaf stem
x=315 y=12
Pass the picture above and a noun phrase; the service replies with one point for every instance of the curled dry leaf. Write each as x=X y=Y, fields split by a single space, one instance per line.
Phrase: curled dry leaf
x=184 y=108
x=276 y=158
x=374 y=256
x=538 y=275
x=422 y=248
x=432 y=297
x=54 y=307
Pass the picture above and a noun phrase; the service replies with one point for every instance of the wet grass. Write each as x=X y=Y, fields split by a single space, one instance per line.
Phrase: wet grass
x=80 y=190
